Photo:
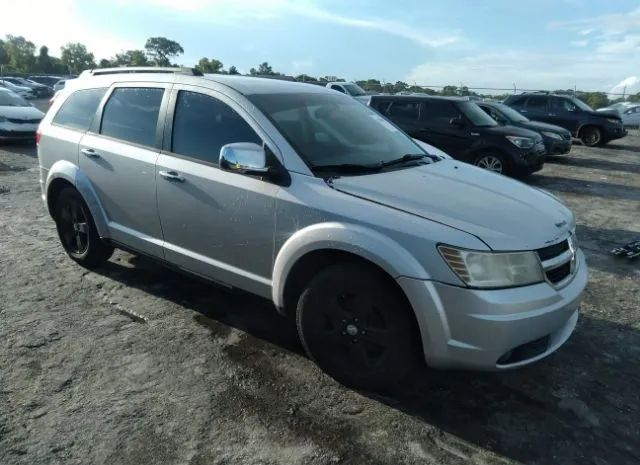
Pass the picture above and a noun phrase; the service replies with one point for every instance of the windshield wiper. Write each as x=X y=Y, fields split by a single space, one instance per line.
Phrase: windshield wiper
x=347 y=168
x=409 y=157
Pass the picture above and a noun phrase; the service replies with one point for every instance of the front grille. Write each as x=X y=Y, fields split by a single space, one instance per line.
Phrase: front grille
x=553 y=250
x=23 y=121
x=558 y=274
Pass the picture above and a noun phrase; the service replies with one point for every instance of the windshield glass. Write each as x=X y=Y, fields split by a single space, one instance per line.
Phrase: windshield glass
x=580 y=104
x=511 y=114
x=330 y=129
x=9 y=99
x=354 y=90
x=476 y=114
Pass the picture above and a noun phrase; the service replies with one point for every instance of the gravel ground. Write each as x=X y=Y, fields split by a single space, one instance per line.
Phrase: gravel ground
x=135 y=364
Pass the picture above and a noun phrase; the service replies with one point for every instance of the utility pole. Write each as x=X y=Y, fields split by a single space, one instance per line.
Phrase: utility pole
x=624 y=91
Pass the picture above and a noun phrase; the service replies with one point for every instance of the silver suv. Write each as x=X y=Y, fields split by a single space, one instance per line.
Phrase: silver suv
x=385 y=254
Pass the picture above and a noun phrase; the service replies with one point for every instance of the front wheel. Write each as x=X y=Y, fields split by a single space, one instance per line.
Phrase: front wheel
x=358 y=327
x=77 y=230
x=591 y=136
x=494 y=162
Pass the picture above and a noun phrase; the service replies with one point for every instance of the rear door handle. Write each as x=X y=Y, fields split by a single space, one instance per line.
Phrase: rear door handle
x=90 y=153
x=171 y=176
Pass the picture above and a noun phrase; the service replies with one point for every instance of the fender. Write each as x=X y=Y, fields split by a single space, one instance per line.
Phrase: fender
x=347 y=237
x=66 y=170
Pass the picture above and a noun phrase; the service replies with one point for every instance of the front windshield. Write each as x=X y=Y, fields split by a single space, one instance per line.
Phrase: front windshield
x=328 y=129
x=511 y=114
x=580 y=104
x=9 y=99
x=354 y=90
x=476 y=114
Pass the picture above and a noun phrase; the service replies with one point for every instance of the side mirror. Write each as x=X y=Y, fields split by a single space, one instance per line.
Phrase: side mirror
x=244 y=157
x=457 y=122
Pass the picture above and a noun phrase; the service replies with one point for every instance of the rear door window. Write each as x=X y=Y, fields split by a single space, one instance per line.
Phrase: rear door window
x=404 y=111
x=131 y=114
x=537 y=103
x=78 y=111
x=439 y=112
x=203 y=124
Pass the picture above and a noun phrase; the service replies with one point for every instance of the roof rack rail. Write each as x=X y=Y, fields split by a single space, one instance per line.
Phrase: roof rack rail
x=141 y=69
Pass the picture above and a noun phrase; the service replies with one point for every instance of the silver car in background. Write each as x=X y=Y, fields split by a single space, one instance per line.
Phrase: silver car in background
x=19 y=119
x=385 y=254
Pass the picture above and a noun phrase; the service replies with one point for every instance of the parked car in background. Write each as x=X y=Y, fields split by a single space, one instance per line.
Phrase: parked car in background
x=385 y=255
x=462 y=129
x=46 y=80
x=40 y=90
x=557 y=140
x=22 y=91
x=19 y=119
x=59 y=85
x=631 y=116
x=349 y=88
x=591 y=127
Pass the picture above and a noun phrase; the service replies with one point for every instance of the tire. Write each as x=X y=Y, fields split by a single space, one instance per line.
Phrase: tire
x=358 y=327
x=591 y=136
x=77 y=230
x=498 y=161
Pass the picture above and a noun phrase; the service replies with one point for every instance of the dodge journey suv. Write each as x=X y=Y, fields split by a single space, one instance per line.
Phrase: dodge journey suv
x=386 y=255
x=459 y=127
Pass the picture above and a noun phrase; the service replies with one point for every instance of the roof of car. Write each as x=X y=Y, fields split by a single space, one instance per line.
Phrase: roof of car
x=421 y=96
x=248 y=85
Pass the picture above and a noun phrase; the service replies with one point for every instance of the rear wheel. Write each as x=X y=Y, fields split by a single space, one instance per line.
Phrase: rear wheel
x=358 y=327
x=591 y=136
x=77 y=230
x=492 y=161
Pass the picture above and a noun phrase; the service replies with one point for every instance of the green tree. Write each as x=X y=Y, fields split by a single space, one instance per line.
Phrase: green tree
x=160 y=50
x=233 y=70
x=44 y=63
x=449 y=90
x=19 y=54
x=400 y=86
x=3 y=54
x=304 y=78
x=634 y=98
x=212 y=65
x=131 y=58
x=76 y=58
x=595 y=99
x=264 y=69
x=105 y=63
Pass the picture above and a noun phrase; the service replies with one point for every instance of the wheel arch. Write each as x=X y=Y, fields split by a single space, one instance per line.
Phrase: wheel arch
x=316 y=246
x=65 y=174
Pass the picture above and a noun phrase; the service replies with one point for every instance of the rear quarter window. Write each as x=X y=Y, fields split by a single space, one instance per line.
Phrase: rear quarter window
x=79 y=109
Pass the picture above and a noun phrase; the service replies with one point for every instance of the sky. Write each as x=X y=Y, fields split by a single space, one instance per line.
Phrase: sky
x=532 y=44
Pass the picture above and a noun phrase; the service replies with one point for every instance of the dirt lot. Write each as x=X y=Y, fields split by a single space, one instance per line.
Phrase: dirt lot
x=206 y=376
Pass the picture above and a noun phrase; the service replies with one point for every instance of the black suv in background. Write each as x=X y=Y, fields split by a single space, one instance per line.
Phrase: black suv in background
x=591 y=127
x=462 y=129
x=557 y=140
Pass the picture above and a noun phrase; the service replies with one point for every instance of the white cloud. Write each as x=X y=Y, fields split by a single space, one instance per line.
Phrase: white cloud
x=55 y=23
x=625 y=45
x=630 y=85
x=229 y=10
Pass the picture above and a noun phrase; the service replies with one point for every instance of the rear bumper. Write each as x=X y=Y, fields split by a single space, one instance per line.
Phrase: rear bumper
x=494 y=329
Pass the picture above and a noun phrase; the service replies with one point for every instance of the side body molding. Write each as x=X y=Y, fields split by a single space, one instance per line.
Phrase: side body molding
x=346 y=237
x=66 y=170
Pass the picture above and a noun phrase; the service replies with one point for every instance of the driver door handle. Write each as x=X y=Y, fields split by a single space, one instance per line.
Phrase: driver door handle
x=171 y=176
x=90 y=153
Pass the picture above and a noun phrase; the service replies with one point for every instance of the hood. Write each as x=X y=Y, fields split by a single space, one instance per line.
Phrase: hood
x=21 y=112
x=607 y=114
x=509 y=130
x=503 y=213
x=539 y=127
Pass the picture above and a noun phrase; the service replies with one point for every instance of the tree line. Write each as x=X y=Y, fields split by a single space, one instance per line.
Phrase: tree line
x=18 y=55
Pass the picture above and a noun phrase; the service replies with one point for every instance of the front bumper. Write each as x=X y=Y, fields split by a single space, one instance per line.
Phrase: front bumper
x=13 y=131
x=557 y=147
x=614 y=132
x=494 y=329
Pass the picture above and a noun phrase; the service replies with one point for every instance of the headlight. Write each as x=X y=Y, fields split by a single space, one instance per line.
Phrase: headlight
x=493 y=270
x=552 y=135
x=613 y=120
x=522 y=142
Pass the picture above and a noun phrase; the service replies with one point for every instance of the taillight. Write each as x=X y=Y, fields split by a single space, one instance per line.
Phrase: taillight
x=38 y=134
